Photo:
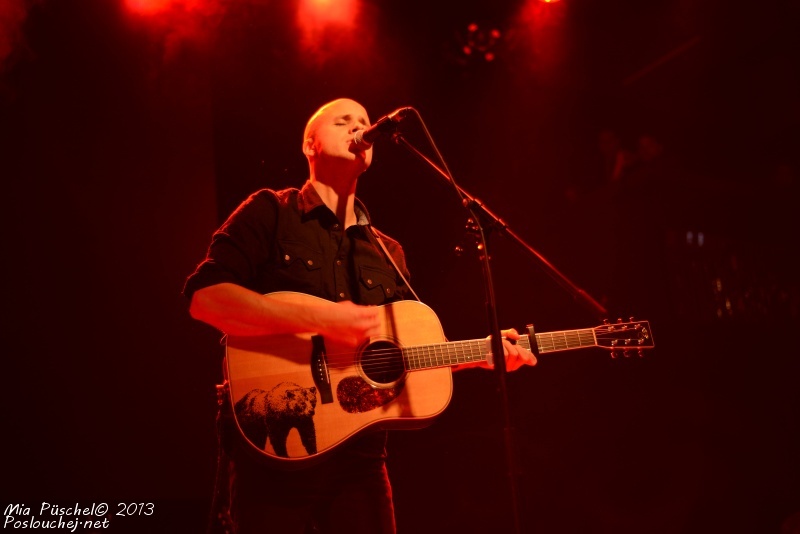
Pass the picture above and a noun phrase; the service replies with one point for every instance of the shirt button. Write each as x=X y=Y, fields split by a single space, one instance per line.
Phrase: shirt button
x=310 y=262
x=341 y=295
x=287 y=257
x=336 y=226
x=388 y=290
x=369 y=281
x=338 y=262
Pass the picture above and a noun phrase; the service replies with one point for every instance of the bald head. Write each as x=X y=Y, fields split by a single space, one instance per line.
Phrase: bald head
x=326 y=110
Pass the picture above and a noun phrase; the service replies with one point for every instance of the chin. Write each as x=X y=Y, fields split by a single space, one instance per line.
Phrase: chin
x=363 y=158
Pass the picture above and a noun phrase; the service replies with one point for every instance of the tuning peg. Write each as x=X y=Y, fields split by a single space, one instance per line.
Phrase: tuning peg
x=619 y=319
x=614 y=355
x=606 y=321
x=631 y=319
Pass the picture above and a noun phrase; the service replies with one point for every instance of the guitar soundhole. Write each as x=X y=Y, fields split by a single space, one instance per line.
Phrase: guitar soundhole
x=382 y=363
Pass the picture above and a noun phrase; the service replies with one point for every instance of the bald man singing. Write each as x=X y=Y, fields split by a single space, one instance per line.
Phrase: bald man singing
x=318 y=241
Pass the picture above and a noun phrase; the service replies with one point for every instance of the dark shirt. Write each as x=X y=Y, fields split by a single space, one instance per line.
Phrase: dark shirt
x=289 y=240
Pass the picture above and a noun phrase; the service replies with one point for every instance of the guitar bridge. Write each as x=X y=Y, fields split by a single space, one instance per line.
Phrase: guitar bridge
x=319 y=369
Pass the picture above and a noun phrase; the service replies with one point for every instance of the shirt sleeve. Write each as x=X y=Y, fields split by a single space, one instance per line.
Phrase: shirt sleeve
x=239 y=246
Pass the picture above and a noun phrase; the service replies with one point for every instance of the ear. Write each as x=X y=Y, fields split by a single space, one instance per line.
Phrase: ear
x=308 y=147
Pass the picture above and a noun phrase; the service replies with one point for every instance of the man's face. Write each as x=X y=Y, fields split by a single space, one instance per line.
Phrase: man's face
x=330 y=133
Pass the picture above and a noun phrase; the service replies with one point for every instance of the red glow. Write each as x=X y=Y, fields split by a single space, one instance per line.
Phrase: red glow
x=153 y=7
x=176 y=23
x=148 y=7
x=542 y=26
x=328 y=27
x=324 y=12
x=537 y=15
x=12 y=16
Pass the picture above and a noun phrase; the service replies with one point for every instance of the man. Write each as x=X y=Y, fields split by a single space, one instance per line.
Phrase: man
x=316 y=240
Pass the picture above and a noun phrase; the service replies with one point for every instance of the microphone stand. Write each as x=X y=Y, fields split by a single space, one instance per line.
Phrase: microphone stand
x=482 y=218
x=481 y=213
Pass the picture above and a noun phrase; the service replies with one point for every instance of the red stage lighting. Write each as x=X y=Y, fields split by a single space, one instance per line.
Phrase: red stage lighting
x=148 y=7
x=322 y=12
x=541 y=28
x=327 y=28
x=480 y=43
x=177 y=22
x=153 y=7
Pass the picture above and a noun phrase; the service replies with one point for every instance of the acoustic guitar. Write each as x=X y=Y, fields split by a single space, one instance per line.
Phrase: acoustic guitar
x=297 y=397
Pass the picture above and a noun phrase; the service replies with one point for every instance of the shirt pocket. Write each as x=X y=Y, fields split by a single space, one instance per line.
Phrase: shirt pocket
x=295 y=254
x=300 y=267
x=377 y=285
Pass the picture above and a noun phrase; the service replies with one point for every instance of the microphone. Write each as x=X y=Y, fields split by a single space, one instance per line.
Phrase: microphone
x=387 y=124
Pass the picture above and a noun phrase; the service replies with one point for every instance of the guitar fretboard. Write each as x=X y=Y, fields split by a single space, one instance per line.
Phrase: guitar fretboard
x=565 y=340
x=476 y=350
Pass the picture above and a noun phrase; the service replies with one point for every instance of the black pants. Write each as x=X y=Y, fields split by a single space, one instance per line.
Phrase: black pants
x=348 y=493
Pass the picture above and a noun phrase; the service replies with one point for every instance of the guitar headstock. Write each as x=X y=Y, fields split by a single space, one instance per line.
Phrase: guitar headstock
x=625 y=338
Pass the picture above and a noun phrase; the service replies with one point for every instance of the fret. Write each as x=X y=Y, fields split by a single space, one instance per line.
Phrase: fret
x=476 y=353
x=409 y=357
x=450 y=354
x=439 y=360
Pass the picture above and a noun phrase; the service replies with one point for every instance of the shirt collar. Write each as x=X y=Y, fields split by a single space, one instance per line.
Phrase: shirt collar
x=309 y=200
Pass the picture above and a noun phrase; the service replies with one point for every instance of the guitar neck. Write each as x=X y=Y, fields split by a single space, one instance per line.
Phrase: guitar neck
x=476 y=350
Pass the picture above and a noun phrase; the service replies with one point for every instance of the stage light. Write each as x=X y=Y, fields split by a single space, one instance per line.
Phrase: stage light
x=541 y=34
x=176 y=23
x=322 y=12
x=148 y=7
x=155 y=7
x=480 y=43
x=327 y=28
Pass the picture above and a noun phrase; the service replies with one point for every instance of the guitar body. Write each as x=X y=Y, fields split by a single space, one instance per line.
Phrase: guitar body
x=297 y=397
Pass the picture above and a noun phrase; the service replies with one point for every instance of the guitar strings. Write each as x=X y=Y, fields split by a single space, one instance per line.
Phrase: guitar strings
x=392 y=358
x=432 y=356
x=446 y=354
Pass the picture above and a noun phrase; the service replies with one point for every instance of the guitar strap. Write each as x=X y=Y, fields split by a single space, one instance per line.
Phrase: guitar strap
x=389 y=256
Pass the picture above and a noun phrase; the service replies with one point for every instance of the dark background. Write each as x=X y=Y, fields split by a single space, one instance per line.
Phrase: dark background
x=127 y=138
